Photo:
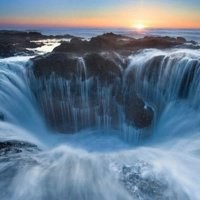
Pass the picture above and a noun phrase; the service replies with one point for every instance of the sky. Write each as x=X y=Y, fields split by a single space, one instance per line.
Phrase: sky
x=101 y=13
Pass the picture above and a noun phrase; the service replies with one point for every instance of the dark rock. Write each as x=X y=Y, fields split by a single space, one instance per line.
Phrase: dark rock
x=76 y=41
x=13 y=146
x=193 y=42
x=181 y=40
x=29 y=35
x=66 y=65
x=100 y=43
x=17 y=42
x=6 y=50
x=63 y=65
x=12 y=42
x=105 y=88
x=2 y=117
x=154 y=42
x=136 y=112
x=101 y=67
x=119 y=43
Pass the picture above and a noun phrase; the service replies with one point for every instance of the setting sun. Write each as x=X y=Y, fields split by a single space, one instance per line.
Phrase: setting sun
x=139 y=26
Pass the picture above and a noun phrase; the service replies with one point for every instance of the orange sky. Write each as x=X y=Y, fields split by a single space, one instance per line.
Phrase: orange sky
x=150 y=16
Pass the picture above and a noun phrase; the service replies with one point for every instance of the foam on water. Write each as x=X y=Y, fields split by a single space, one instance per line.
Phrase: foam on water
x=93 y=164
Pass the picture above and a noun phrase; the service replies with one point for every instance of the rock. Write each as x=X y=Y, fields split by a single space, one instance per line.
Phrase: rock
x=154 y=42
x=6 y=50
x=63 y=65
x=2 y=117
x=136 y=112
x=76 y=41
x=90 y=103
x=181 y=39
x=12 y=147
x=105 y=68
x=118 y=43
x=102 y=68
x=66 y=65
x=100 y=43
x=17 y=42
x=73 y=47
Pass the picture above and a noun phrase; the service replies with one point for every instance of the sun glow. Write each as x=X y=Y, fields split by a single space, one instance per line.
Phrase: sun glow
x=139 y=26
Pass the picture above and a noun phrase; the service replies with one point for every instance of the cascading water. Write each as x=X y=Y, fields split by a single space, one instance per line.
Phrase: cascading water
x=82 y=98
x=17 y=104
x=161 y=77
x=93 y=165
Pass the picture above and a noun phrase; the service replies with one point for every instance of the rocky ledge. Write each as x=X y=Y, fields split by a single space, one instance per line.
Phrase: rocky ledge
x=94 y=83
x=15 y=147
x=118 y=43
x=16 y=42
x=81 y=83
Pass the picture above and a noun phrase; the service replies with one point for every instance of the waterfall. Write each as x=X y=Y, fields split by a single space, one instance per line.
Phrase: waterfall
x=80 y=101
x=162 y=77
x=88 y=106
x=18 y=107
x=99 y=161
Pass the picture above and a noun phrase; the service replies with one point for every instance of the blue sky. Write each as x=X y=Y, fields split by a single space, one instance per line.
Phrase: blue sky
x=99 y=12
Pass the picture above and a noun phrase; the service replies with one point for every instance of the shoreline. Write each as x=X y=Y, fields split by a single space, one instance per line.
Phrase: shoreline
x=23 y=43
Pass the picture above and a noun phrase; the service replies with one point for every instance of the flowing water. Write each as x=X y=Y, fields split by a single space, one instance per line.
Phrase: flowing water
x=94 y=164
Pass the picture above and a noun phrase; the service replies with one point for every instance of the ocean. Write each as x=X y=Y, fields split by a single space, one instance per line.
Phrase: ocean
x=189 y=34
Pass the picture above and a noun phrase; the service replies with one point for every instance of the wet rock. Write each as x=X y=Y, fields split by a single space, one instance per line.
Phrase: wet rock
x=181 y=39
x=105 y=42
x=153 y=69
x=158 y=42
x=16 y=42
x=118 y=43
x=75 y=46
x=13 y=147
x=17 y=36
x=63 y=65
x=75 y=95
x=66 y=65
x=136 y=112
x=94 y=94
x=101 y=67
x=2 y=117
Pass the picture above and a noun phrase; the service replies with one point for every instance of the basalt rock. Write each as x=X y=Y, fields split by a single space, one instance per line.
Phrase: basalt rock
x=86 y=92
x=105 y=42
x=155 y=42
x=16 y=42
x=13 y=147
x=81 y=84
x=113 y=42
x=103 y=68
x=66 y=65
x=136 y=112
x=63 y=65
x=2 y=117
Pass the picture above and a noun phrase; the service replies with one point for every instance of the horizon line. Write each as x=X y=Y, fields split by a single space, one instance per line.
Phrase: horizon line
x=29 y=26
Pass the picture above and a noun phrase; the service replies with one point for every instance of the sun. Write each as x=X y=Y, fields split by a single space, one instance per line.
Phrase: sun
x=139 y=26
